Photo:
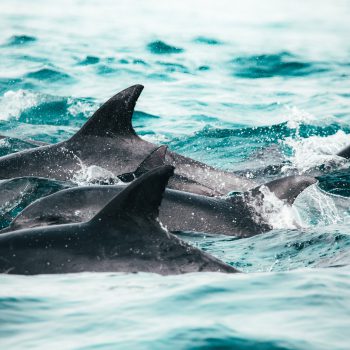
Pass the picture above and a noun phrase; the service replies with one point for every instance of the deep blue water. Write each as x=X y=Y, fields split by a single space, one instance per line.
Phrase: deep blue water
x=259 y=88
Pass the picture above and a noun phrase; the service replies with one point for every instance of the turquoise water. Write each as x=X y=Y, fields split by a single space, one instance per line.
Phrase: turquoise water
x=259 y=88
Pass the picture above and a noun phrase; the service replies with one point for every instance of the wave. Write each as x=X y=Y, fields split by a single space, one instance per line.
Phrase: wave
x=319 y=208
x=218 y=337
x=13 y=103
x=36 y=108
x=261 y=135
x=159 y=47
x=207 y=40
x=316 y=151
x=198 y=311
x=279 y=249
x=88 y=60
x=171 y=67
x=48 y=74
x=7 y=84
x=283 y=64
x=19 y=40
x=336 y=182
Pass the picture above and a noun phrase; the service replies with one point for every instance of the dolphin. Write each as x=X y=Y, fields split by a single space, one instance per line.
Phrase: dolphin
x=124 y=236
x=17 y=193
x=241 y=215
x=108 y=140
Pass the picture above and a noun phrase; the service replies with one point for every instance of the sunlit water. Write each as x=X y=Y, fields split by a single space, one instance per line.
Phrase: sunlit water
x=260 y=88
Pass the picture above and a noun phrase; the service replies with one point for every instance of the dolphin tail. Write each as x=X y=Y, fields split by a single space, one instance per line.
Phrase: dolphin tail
x=142 y=198
x=113 y=118
x=345 y=153
x=155 y=159
x=287 y=188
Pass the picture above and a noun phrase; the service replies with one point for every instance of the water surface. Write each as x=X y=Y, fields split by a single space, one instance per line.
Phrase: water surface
x=260 y=88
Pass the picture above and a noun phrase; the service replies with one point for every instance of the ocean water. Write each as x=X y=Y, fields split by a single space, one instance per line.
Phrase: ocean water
x=258 y=88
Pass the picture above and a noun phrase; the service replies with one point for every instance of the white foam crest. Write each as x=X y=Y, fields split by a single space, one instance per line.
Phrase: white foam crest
x=317 y=150
x=78 y=107
x=93 y=174
x=157 y=139
x=4 y=142
x=319 y=208
x=13 y=103
x=296 y=116
x=274 y=211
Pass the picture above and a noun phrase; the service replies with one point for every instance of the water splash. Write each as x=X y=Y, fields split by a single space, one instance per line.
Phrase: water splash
x=93 y=174
x=13 y=103
x=314 y=151
x=268 y=208
x=319 y=208
x=297 y=116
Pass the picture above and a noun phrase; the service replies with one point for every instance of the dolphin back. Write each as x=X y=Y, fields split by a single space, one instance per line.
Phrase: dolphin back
x=141 y=198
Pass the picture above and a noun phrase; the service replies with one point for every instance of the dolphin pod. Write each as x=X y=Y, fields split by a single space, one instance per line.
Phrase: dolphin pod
x=108 y=140
x=240 y=215
x=124 y=236
x=116 y=228
x=17 y=193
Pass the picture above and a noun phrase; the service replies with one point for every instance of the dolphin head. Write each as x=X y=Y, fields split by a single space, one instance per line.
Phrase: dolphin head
x=288 y=188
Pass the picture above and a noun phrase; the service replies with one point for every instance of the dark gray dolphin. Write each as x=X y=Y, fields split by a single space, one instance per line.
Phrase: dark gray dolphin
x=17 y=193
x=124 y=236
x=108 y=140
x=239 y=215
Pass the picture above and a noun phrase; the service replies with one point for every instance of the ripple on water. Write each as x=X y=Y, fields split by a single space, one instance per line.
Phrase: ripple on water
x=48 y=74
x=35 y=108
x=283 y=64
x=161 y=48
x=219 y=337
x=88 y=60
x=207 y=40
x=337 y=182
x=20 y=40
x=9 y=83
x=171 y=67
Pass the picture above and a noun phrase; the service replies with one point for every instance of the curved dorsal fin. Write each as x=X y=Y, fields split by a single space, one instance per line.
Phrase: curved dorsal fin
x=287 y=188
x=155 y=159
x=141 y=198
x=114 y=116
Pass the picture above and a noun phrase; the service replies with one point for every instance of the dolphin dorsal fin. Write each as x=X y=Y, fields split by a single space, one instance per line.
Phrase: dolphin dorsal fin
x=141 y=198
x=155 y=159
x=114 y=117
x=287 y=188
